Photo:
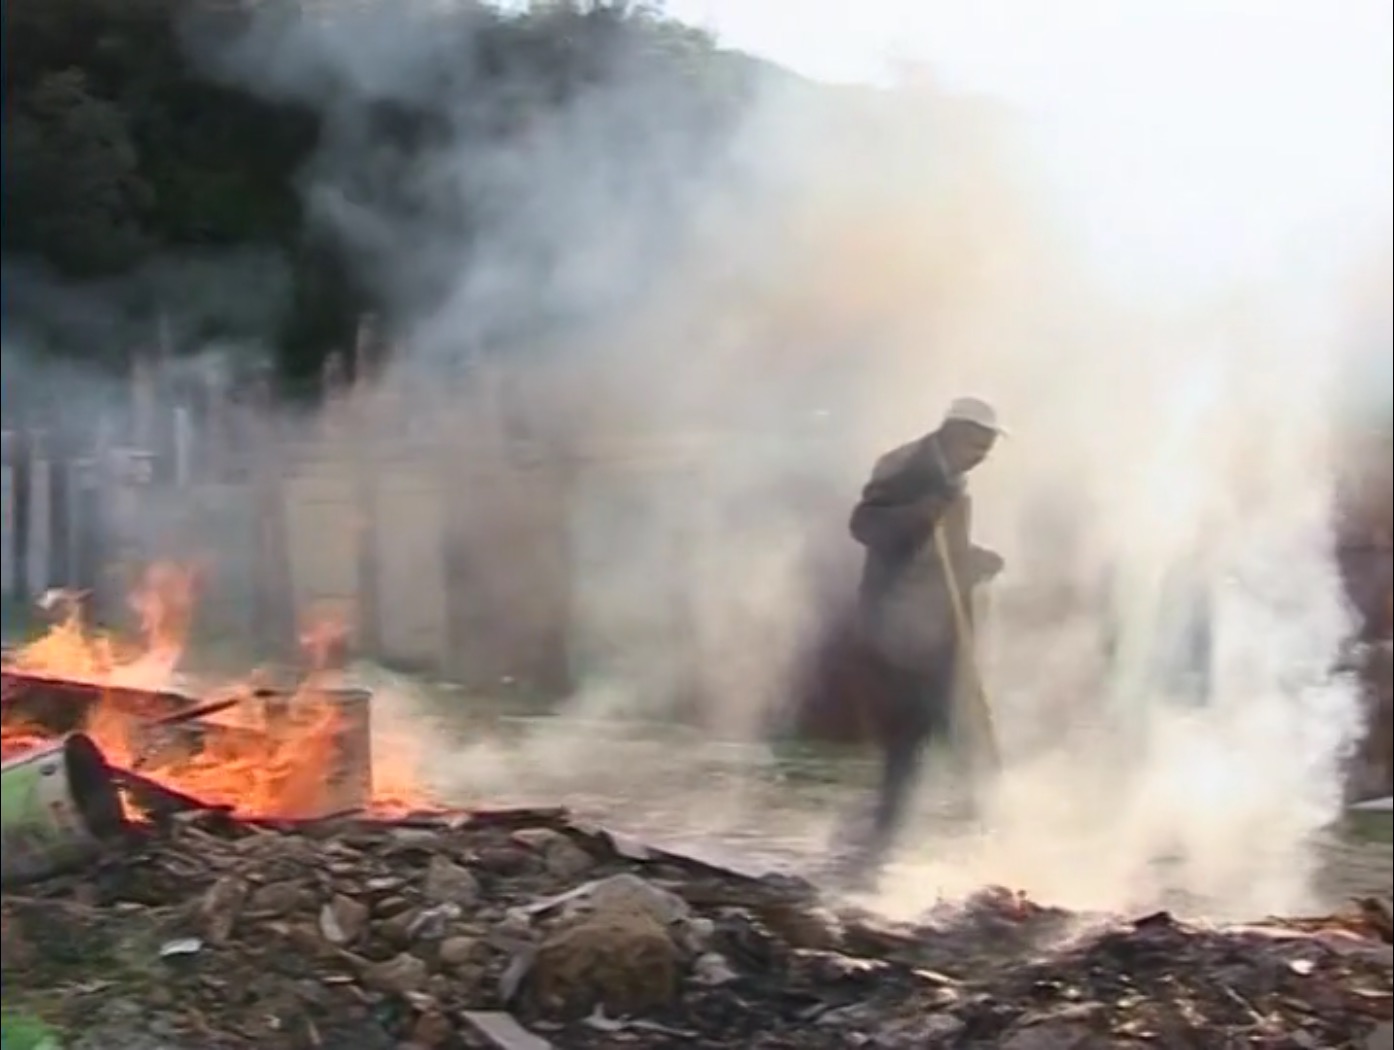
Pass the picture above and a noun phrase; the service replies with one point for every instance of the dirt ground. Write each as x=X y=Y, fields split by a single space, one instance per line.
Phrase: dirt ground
x=1355 y=869
x=744 y=808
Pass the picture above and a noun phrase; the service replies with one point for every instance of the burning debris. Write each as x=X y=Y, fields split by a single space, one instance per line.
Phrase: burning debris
x=218 y=873
x=523 y=929
x=294 y=753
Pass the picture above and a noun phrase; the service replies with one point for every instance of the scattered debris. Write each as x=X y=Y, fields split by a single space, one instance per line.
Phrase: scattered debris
x=442 y=932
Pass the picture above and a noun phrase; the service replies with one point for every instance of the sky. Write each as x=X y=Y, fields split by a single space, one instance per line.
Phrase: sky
x=1194 y=142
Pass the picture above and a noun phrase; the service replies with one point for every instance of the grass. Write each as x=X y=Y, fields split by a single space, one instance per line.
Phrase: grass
x=23 y=1031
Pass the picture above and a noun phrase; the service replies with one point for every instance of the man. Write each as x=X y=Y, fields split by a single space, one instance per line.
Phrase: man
x=905 y=616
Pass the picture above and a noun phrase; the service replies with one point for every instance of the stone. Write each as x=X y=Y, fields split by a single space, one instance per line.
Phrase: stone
x=566 y=860
x=816 y=929
x=342 y=919
x=917 y=1033
x=712 y=969
x=399 y=975
x=538 y=839
x=431 y=924
x=275 y=899
x=432 y=1029
x=629 y=893
x=619 y=959
x=397 y=930
x=447 y=881
x=458 y=950
x=390 y=906
x=694 y=935
x=507 y=861
x=221 y=907
x=1048 y=1035
x=423 y=839
x=501 y=1031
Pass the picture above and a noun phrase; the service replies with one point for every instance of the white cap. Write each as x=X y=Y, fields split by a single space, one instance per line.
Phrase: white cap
x=974 y=410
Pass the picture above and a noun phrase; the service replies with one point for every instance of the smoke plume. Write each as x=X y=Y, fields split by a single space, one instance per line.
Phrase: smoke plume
x=771 y=289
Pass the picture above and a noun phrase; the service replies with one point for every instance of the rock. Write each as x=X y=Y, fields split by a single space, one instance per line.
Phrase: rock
x=1382 y=1038
x=560 y=855
x=515 y=925
x=432 y=1029
x=1053 y=1035
x=566 y=860
x=425 y=840
x=629 y=893
x=342 y=920
x=538 y=839
x=694 y=935
x=221 y=907
x=447 y=881
x=800 y=927
x=400 y=975
x=430 y=924
x=390 y=906
x=919 y=1033
x=507 y=861
x=712 y=970
x=384 y=884
x=397 y=930
x=456 y=951
x=276 y=899
x=501 y=1031
x=618 y=959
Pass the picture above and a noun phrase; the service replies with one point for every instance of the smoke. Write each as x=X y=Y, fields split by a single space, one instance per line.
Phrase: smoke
x=721 y=311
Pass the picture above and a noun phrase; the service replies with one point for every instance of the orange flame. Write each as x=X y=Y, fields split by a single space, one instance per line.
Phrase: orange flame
x=264 y=754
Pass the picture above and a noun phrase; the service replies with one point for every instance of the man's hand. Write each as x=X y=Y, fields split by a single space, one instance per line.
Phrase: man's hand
x=984 y=564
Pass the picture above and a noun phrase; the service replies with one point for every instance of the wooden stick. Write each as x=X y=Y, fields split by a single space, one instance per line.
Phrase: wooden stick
x=983 y=726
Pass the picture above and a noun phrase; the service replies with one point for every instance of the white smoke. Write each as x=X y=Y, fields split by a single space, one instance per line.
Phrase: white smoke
x=789 y=299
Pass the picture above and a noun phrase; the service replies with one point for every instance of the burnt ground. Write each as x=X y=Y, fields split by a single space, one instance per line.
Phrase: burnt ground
x=457 y=931
x=744 y=806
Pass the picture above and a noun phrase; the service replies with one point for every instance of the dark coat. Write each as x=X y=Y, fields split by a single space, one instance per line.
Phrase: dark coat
x=905 y=613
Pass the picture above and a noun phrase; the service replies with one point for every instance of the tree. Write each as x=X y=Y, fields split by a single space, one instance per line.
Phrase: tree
x=73 y=192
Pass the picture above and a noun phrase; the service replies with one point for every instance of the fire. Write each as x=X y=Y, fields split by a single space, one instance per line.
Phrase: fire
x=163 y=601
x=261 y=754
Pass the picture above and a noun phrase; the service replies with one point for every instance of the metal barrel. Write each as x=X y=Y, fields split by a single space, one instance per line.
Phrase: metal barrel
x=347 y=786
x=60 y=805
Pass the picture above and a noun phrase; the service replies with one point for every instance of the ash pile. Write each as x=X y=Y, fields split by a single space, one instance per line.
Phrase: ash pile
x=523 y=929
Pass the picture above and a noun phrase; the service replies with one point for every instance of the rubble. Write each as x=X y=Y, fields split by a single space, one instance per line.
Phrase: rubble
x=448 y=931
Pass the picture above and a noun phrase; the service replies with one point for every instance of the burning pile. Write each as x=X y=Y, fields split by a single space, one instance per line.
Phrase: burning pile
x=294 y=753
x=522 y=930
x=244 y=888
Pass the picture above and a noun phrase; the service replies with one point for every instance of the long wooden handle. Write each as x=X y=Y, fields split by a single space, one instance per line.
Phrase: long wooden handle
x=984 y=729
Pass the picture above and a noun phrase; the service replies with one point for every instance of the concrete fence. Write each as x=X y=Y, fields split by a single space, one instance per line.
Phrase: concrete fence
x=465 y=557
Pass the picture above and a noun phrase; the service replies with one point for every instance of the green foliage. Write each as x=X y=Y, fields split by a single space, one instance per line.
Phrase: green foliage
x=72 y=187
x=22 y=1032
x=118 y=149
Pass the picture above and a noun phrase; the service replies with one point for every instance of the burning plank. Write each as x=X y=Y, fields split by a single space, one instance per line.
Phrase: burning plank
x=61 y=705
x=299 y=754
